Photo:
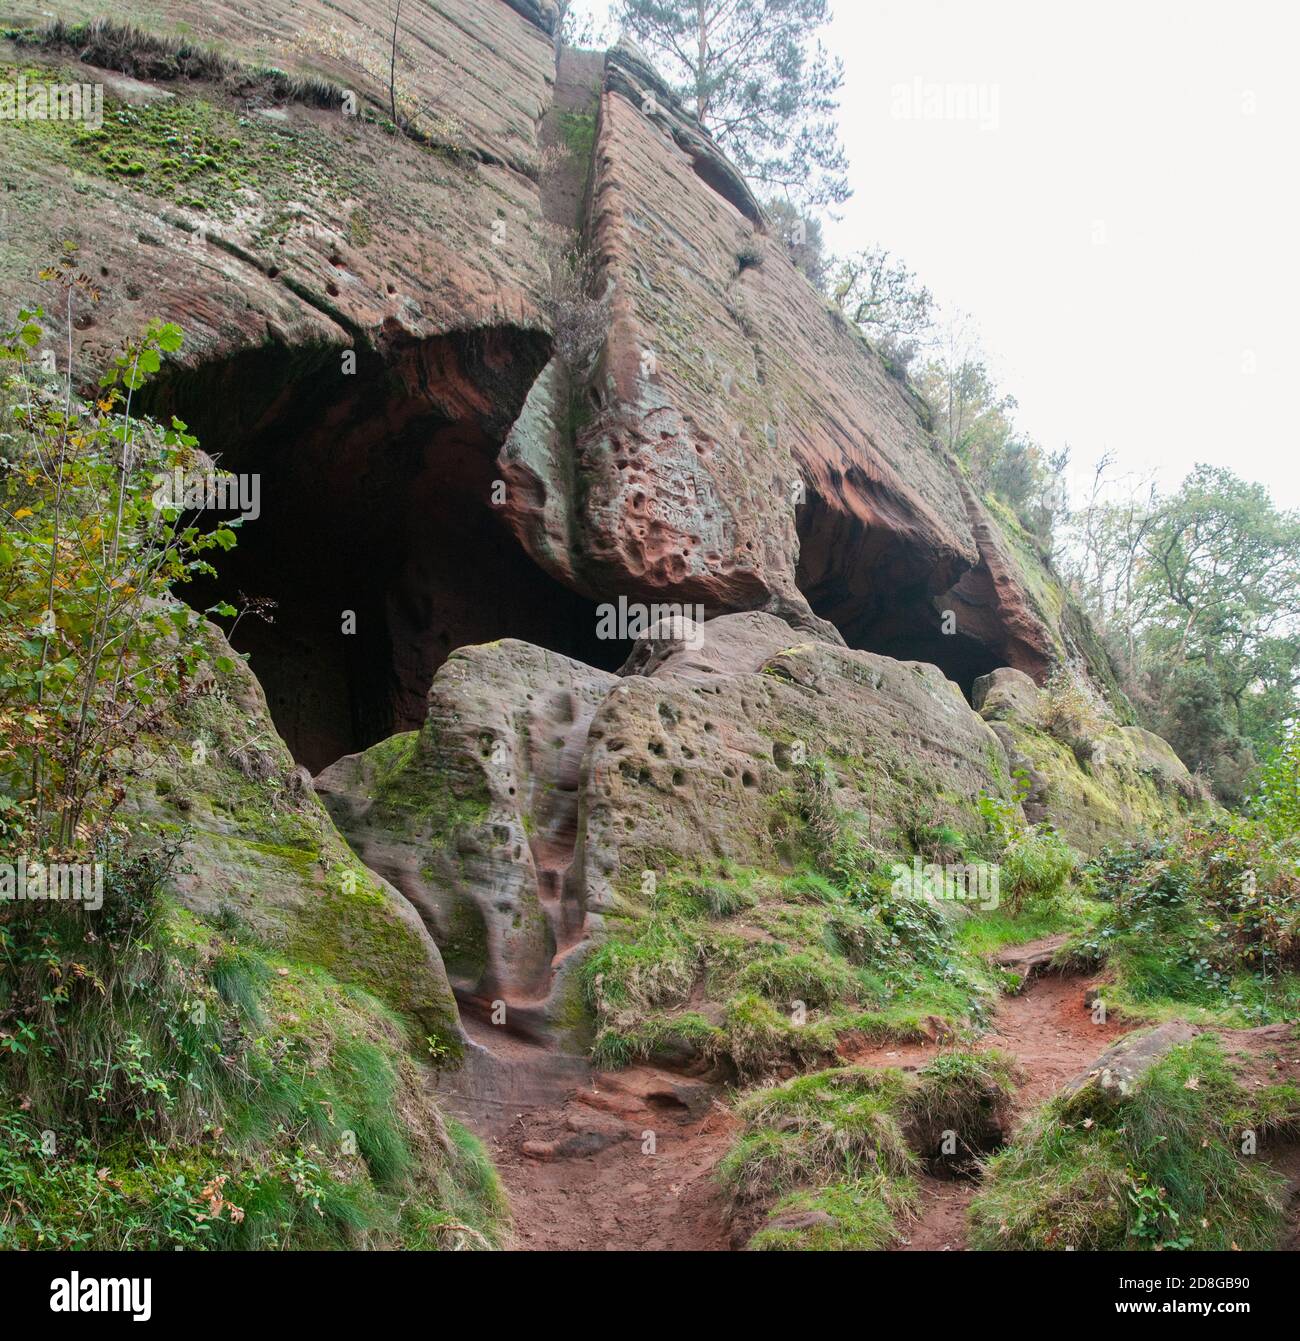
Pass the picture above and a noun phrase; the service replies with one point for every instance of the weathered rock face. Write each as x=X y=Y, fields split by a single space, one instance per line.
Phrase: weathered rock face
x=740 y=445
x=1123 y=783
x=362 y=311
x=736 y=444
x=475 y=819
x=528 y=809
x=701 y=755
x=370 y=330
x=323 y=228
x=258 y=847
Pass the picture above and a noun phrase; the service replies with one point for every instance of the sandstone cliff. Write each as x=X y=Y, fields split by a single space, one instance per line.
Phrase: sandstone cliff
x=370 y=318
x=365 y=271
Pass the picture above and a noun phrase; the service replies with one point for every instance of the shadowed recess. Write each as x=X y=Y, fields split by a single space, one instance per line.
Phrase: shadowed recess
x=375 y=496
x=888 y=595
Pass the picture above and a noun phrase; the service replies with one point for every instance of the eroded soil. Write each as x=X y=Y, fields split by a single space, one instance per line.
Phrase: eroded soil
x=626 y=1160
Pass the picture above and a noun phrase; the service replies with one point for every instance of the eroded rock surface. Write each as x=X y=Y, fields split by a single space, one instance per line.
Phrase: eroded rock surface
x=475 y=820
x=734 y=443
x=527 y=810
x=1118 y=783
x=258 y=849
x=739 y=444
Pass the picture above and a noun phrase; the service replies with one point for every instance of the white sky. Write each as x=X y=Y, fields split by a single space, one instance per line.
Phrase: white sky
x=1170 y=128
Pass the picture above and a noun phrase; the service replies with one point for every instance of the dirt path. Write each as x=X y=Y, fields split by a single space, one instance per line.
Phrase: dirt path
x=1053 y=1037
x=593 y=1160
x=626 y=1160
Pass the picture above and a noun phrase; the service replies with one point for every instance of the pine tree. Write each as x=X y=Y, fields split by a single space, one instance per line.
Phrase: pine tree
x=759 y=80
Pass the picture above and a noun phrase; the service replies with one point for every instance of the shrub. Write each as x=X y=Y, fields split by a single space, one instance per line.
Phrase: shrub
x=92 y=640
x=1072 y=709
x=579 y=317
x=1035 y=867
x=1210 y=919
x=1276 y=802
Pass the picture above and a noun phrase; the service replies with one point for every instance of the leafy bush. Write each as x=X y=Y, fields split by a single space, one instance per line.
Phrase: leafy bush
x=1072 y=709
x=92 y=641
x=1276 y=802
x=1035 y=867
x=1036 y=863
x=1210 y=919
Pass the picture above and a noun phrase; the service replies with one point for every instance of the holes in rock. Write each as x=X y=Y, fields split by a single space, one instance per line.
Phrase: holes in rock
x=374 y=496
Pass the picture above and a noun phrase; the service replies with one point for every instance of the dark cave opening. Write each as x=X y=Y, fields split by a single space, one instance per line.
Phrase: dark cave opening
x=377 y=538
x=889 y=596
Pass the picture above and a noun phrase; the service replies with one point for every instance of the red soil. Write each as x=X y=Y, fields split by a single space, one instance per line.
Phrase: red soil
x=578 y=1169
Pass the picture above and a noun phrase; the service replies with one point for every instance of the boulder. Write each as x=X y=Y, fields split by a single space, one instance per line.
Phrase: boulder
x=1113 y=1076
x=474 y=818
x=1003 y=693
x=527 y=811
x=1120 y=786
x=257 y=846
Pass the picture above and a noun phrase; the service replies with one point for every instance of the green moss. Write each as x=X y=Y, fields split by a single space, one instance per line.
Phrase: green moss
x=1161 y=1169
x=353 y=929
x=464 y=944
x=416 y=796
x=858 y=1216
x=578 y=130
x=360 y=231
x=836 y=1151
x=201 y=152
x=791 y=962
x=300 y=1122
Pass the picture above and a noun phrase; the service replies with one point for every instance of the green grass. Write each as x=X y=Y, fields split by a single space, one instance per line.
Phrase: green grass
x=786 y=962
x=858 y=1216
x=1161 y=1169
x=578 y=130
x=201 y=1091
x=985 y=933
x=839 y=1149
x=1179 y=935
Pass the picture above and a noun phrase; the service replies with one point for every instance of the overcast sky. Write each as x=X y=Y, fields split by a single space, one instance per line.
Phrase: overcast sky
x=1118 y=209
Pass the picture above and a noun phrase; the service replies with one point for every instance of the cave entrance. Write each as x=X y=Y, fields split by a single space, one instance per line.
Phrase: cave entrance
x=376 y=538
x=887 y=596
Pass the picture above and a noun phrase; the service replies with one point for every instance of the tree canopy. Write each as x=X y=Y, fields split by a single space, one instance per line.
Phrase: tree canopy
x=761 y=83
